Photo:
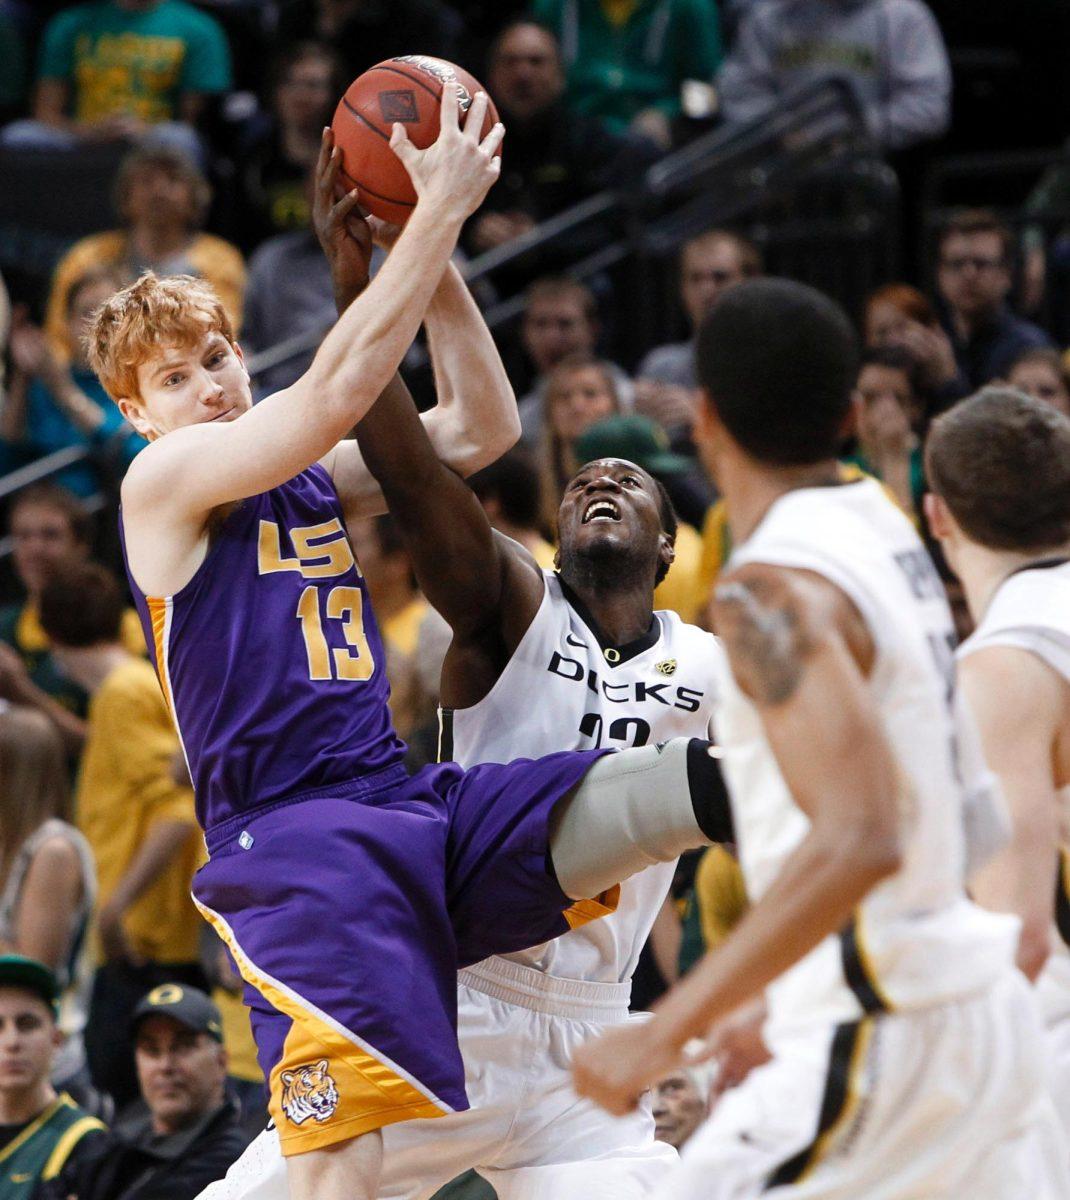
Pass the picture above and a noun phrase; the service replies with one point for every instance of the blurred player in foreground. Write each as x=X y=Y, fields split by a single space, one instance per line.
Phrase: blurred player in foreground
x=323 y=852
x=539 y=662
x=906 y=1053
x=999 y=467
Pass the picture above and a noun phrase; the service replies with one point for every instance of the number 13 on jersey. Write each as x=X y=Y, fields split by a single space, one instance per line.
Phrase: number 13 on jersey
x=345 y=604
x=322 y=551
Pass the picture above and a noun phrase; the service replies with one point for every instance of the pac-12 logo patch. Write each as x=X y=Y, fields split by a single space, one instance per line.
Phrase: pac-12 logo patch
x=398 y=106
x=308 y=1091
x=667 y=666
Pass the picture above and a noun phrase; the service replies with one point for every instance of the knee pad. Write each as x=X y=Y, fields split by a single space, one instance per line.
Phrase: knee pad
x=636 y=808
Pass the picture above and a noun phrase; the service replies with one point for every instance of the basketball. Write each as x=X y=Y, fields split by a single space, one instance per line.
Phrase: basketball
x=407 y=90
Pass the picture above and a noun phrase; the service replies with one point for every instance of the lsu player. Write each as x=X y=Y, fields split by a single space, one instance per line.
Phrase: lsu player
x=906 y=1056
x=539 y=662
x=322 y=851
x=999 y=468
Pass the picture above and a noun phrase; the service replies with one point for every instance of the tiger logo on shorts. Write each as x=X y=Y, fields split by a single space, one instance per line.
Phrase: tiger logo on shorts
x=309 y=1091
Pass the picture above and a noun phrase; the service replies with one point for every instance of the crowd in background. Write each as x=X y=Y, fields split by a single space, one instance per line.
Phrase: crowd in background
x=129 y=1011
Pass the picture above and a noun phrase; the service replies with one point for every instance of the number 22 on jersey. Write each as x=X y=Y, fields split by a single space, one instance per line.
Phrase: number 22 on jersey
x=322 y=551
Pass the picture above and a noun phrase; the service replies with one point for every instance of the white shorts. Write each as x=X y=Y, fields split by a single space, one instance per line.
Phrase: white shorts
x=1053 y=992
x=942 y=1104
x=527 y=1132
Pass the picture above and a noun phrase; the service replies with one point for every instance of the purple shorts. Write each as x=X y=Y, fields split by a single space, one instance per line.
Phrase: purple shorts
x=349 y=911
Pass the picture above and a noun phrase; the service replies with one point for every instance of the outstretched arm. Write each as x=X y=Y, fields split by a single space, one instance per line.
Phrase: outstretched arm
x=205 y=465
x=789 y=636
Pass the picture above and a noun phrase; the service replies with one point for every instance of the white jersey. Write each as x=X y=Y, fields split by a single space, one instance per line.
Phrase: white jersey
x=563 y=689
x=1031 y=611
x=915 y=940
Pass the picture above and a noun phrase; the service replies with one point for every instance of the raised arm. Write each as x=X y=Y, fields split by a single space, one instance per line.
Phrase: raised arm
x=205 y=465
x=475 y=420
x=462 y=567
x=1017 y=703
x=793 y=644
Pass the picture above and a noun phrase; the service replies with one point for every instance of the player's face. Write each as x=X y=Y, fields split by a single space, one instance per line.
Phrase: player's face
x=610 y=503
x=189 y=385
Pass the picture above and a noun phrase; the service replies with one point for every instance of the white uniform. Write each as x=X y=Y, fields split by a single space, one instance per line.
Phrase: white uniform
x=906 y=1055
x=1031 y=611
x=519 y=1017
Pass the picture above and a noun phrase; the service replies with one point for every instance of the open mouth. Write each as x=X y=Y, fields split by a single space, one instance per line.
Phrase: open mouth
x=601 y=510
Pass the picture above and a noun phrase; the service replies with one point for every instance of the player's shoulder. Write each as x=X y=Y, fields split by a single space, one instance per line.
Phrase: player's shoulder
x=759 y=603
x=518 y=557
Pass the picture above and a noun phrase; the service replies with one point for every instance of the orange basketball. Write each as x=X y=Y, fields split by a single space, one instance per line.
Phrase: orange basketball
x=407 y=90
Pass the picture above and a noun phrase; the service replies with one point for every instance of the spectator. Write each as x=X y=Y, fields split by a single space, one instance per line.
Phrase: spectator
x=280 y=148
x=885 y=410
x=580 y=391
x=560 y=318
x=48 y=526
x=627 y=63
x=899 y=317
x=891 y=53
x=289 y=292
x=41 y=1133
x=1042 y=374
x=186 y=1133
x=122 y=68
x=639 y=440
x=56 y=402
x=162 y=200
x=556 y=158
x=47 y=877
x=681 y=1103
x=974 y=278
x=709 y=265
x=366 y=32
x=510 y=493
x=139 y=821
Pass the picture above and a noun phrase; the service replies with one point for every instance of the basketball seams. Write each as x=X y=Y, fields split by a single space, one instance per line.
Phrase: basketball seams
x=364 y=120
x=437 y=96
x=377 y=195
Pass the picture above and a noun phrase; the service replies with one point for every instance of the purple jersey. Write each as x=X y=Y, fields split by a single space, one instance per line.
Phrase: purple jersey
x=270 y=658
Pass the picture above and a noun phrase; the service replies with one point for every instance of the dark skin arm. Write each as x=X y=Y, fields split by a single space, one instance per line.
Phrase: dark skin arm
x=486 y=587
